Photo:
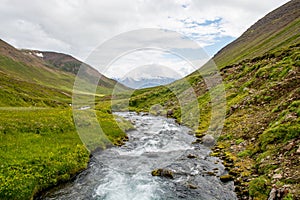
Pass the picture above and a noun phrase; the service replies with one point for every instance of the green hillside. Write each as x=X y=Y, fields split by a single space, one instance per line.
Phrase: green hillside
x=261 y=75
x=278 y=29
x=259 y=143
x=70 y=64
x=39 y=143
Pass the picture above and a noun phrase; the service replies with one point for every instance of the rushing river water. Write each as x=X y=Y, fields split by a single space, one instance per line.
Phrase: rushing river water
x=124 y=173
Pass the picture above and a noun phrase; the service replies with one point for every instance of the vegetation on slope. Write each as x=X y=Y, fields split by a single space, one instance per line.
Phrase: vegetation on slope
x=278 y=29
x=259 y=143
x=39 y=148
x=260 y=138
x=70 y=64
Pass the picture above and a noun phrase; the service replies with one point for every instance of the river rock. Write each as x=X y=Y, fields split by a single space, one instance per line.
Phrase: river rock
x=208 y=140
x=272 y=194
x=163 y=172
x=278 y=193
x=191 y=156
x=226 y=178
x=191 y=186
x=170 y=113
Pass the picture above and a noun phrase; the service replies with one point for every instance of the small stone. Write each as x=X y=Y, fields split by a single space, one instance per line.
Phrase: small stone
x=211 y=173
x=298 y=150
x=199 y=135
x=214 y=154
x=289 y=146
x=167 y=174
x=272 y=194
x=191 y=156
x=170 y=113
x=191 y=186
x=208 y=140
x=277 y=176
x=156 y=172
x=163 y=172
x=226 y=178
x=228 y=164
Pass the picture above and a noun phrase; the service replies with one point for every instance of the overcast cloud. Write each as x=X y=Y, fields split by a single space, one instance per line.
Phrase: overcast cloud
x=77 y=27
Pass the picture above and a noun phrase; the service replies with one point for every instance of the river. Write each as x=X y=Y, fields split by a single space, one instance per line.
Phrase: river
x=124 y=173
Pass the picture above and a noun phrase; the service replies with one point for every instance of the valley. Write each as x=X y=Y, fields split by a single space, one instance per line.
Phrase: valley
x=257 y=149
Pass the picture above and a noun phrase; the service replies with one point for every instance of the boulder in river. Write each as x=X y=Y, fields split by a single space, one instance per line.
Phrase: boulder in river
x=208 y=140
x=163 y=172
x=226 y=178
x=170 y=113
x=191 y=156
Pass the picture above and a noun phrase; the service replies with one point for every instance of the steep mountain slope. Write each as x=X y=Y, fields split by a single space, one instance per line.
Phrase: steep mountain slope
x=29 y=68
x=70 y=64
x=260 y=141
x=278 y=29
x=27 y=79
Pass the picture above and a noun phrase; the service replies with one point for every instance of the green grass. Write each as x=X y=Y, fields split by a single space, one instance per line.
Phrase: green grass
x=45 y=76
x=40 y=147
x=39 y=75
x=258 y=188
x=16 y=92
x=257 y=44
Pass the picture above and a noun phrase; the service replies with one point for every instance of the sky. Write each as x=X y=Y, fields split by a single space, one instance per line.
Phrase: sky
x=78 y=27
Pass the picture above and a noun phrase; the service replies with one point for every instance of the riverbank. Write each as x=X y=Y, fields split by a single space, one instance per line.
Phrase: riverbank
x=40 y=148
x=157 y=142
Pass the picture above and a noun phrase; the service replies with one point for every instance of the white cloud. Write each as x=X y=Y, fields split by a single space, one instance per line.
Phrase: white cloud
x=77 y=27
x=155 y=62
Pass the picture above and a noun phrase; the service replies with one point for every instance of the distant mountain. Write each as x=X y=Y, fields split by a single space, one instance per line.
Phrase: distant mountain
x=36 y=78
x=70 y=64
x=145 y=82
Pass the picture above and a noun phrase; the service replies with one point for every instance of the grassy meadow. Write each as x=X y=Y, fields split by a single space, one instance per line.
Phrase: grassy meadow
x=40 y=147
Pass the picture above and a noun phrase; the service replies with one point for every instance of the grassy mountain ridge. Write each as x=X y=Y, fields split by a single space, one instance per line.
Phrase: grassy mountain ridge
x=260 y=139
x=278 y=29
x=54 y=72
x=18 y=65
x=7 y=50
x=70 y=64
